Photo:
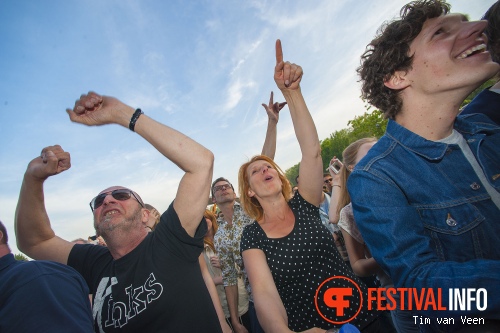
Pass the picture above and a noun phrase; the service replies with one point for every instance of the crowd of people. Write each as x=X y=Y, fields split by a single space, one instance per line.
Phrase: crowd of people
x=416 y=208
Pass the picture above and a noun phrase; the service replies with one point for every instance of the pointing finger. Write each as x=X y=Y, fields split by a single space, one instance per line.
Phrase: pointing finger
x=279 y=52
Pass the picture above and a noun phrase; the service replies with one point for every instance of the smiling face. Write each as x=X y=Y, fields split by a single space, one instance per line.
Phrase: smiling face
x=449 y=55
x=115 y=214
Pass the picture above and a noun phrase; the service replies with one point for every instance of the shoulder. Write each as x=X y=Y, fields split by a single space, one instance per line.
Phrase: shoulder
x=476 y=122
x=298 y=204
x=170 y=224
x=346 y=217
x=44 y=274
x=252 y=237
x=486 y=102
x=240 y=216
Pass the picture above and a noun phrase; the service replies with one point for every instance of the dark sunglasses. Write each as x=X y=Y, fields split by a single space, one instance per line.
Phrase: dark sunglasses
x=121 y=195
x=328 y=180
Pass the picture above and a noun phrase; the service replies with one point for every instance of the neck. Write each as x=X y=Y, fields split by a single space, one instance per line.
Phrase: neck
x=121 y=244
x=431 y=118
x=227 y=210
x=275 y=209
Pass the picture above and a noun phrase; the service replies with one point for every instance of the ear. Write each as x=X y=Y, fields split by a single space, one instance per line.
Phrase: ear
x=350 y=167
x=397 y=81
x=250 y=193
x=145 y=216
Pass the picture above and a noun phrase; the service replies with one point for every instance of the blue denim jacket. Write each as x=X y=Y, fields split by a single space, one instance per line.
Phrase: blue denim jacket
x=425 y=215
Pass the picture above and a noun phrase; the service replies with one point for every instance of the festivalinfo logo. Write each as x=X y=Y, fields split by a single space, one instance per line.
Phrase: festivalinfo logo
x=339 y=300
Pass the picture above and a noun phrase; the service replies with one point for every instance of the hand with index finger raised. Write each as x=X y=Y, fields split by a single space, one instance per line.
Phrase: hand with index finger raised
x=286 y=74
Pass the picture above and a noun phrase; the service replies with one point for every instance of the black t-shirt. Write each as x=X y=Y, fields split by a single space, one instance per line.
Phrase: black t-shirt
x=300 y=262
x=158 y=287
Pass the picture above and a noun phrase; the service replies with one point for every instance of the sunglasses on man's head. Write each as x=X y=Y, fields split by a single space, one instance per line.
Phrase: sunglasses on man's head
x=120 y=194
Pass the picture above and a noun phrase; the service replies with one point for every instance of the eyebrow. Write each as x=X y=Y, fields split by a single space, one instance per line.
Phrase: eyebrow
x=442 y=19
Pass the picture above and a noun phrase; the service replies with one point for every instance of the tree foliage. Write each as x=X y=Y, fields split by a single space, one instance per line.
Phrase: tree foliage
x=368 y=124
x=20 y=257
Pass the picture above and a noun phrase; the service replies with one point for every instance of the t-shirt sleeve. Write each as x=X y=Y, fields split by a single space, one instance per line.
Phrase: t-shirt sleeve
x=251 y=237
x=89 y=261
x=298 y=203
x=170 y=233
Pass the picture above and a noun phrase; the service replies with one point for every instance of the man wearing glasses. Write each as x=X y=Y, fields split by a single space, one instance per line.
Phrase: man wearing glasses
x=141 y=282
x=328 y=181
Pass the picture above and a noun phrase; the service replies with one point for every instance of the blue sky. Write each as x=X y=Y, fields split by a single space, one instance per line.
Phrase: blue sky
x=201 y=67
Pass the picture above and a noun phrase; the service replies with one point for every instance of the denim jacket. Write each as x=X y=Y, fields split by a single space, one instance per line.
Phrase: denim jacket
x=425 y=215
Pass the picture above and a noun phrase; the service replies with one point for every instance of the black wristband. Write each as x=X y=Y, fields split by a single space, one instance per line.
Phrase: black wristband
x=134 y=118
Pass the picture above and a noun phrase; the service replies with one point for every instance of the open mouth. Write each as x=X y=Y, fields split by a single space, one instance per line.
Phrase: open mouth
x=472 y=51
x=111 y=212
x=268 y=178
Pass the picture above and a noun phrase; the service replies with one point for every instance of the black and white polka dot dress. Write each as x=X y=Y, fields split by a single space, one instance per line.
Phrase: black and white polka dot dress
x=300 y=262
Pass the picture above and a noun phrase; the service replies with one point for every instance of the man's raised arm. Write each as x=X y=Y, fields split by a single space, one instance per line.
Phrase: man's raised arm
x=34 y=234
x=194 y=159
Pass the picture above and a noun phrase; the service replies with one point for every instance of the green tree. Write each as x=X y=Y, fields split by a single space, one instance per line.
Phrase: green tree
x=334 y=145
x=368 y=124
x=21 y=257
x=291 y=173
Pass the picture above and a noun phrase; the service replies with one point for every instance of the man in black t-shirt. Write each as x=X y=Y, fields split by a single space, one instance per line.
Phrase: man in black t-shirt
x=142 y=282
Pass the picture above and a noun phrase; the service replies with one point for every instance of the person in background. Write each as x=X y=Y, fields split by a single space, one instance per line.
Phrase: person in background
x=426 y=196
x=213 y=264
x=361 y=261
x=154 y=217
x=53 y=297
x=141 y=282
x=79 y=241
x=328 y=182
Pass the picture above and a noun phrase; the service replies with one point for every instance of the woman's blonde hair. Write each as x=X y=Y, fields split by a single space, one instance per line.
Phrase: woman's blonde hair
x=349 y=158
x=209 y=215
x=250 y=204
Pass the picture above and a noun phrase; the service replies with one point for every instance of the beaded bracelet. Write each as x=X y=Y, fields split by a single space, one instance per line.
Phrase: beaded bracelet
x=134 y=118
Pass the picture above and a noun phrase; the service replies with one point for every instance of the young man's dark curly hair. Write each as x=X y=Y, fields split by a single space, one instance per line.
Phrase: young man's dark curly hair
x=389 y=52
x=493 y=31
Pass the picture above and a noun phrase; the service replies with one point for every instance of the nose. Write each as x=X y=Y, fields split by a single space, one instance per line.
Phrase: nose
x=474 y=28
x=107 y=199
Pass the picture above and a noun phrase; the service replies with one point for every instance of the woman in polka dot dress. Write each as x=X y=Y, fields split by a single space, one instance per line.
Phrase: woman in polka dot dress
x=287 y=252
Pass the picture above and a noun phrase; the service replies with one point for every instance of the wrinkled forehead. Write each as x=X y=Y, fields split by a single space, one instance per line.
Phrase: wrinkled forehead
x=257 y=164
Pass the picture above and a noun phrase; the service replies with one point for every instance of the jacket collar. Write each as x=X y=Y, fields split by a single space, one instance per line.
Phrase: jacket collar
x=467 y=125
